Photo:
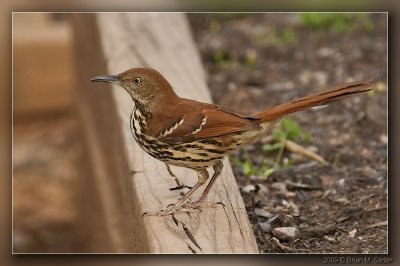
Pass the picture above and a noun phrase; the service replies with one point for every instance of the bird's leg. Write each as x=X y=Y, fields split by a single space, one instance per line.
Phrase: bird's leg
x=202 y=201
x=217 y=171
x=176 y=179
x=202 y=178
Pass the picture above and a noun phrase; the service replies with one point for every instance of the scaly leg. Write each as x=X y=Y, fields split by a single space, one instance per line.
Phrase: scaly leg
x=202 y=201
x=202 y=178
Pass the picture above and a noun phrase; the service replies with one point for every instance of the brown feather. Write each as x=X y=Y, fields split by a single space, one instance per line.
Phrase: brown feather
x=315 y=99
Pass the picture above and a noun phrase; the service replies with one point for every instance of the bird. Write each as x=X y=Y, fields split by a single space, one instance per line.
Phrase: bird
x=197 y=135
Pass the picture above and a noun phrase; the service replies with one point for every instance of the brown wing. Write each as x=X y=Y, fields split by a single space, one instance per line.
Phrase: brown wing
x=190 y=120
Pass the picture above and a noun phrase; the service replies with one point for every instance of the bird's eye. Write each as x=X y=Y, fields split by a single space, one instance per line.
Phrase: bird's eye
x=136 y=80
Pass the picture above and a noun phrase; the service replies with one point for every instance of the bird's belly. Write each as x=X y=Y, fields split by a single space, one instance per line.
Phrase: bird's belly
x=197 y=154
x=200 y=154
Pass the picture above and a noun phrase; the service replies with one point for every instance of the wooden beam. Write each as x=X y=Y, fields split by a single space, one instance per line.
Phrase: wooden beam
x=162 y=41
x=43 y=63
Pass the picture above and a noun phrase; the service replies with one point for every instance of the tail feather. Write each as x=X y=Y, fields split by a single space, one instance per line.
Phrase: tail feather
x=315 y=99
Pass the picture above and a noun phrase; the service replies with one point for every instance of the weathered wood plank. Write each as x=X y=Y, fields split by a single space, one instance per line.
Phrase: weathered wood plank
x=163 y=41
x=107 y=205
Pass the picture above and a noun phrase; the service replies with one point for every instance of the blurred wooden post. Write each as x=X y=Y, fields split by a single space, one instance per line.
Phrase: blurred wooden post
x=109 y=44
x=42 y=55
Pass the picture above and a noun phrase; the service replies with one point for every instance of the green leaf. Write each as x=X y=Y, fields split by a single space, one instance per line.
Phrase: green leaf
x=268 y=171
x=287 y=162
x=307 y=137
x=339 y=22
x=271 y=147
x=280 y=135
x=248 y=168
x=287 y=35
x=235 y=160
x=290 y=129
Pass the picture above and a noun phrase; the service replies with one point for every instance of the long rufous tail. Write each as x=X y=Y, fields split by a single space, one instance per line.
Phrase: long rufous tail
x=315 y=99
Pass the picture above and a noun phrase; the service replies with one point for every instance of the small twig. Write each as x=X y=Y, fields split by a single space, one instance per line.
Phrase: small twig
x=384 y=223
x=377 y=209
x=319 y=230
x=292 y=184
x=280 y=152
x=296 y=148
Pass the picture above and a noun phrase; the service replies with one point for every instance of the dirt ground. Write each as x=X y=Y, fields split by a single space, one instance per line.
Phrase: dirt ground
x=45 y=178
x=336 y=208
x=253 y=61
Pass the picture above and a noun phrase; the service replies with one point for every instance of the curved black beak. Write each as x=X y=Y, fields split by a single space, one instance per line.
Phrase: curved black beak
x=105 y=78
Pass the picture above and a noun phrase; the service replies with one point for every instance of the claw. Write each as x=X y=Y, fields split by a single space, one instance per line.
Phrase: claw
x=198 y=205
x=187 y=207
x=161 y=213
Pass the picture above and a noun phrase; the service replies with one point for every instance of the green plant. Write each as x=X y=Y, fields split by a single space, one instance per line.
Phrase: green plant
x=251 y=58
x=287 y=163
x=339 y=22
x=285 y=35
x=287 y=129
x=215 y=25
x=336 y=160
x=231 y=16
x=259 y=38
x=379 y=86
x=249 y=168
x=290 y=129
x=222 y=59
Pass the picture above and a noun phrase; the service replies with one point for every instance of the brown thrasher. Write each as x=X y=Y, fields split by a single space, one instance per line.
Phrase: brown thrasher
x=198 y=135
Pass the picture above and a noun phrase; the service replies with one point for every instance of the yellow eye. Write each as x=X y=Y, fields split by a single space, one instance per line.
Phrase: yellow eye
x=136 y=80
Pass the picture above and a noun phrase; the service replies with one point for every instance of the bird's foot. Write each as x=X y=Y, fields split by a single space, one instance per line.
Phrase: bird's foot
x=201 y=204
x=170 y=210
x=187 y=207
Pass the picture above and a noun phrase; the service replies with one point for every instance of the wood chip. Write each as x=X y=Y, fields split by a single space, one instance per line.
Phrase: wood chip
x=249 y=188
x=318 y=230
x=329 y=239
x=262 y=213
x=352 y=233
x=285 y=233
x=281 y=246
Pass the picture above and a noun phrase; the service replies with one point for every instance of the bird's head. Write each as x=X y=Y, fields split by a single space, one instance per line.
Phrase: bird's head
x=146 y=85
